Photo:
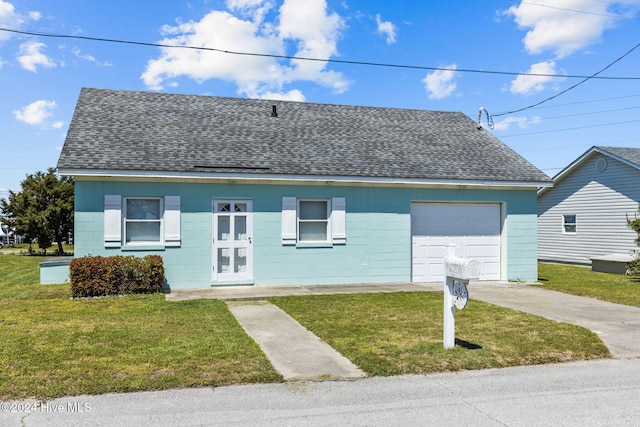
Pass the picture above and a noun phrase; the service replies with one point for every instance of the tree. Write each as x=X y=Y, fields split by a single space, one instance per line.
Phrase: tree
x=43 y=210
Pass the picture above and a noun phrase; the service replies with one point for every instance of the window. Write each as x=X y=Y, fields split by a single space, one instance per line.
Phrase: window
x=568 y=223
x=142 y=220
x=313 y=221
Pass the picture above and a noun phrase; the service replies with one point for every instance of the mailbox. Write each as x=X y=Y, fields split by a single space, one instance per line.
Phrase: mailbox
x=461 y=268
x=458 y=272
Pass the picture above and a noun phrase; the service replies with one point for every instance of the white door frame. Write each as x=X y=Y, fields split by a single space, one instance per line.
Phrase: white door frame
x=232 y=244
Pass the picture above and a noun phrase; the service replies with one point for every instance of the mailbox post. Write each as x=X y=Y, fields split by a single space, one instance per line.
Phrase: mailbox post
x=458 y=272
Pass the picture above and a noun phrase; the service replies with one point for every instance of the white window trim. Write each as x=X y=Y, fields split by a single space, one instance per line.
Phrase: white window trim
x=336 y=222
x=565 y=224
x=159 y=221
x=326 y=221
x=115 y=222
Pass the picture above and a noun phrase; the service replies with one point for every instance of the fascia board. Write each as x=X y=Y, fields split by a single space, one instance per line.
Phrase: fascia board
x=295 y=179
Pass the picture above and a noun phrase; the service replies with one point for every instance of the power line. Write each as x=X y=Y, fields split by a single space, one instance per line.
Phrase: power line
x=301 y=58
x=609 y=15
x=568 y=129
x=539 y=119
x=594 y=75
x=587 y=101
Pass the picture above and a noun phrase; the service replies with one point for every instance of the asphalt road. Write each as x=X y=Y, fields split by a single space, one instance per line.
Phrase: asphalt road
x=597 y=393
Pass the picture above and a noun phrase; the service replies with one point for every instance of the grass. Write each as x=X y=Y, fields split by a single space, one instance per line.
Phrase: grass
x=401 y=333
x=582 y=281
x=54 y=346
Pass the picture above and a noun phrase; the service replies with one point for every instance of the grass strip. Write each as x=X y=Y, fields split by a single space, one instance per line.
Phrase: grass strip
x=401 y=333
x=581 y=281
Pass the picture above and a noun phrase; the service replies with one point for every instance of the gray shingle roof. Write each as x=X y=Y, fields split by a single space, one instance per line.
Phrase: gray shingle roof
x=629 y=154
x=141 y=131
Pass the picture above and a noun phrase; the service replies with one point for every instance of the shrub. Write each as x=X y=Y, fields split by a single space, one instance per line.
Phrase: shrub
x=633 y=267
x=97 y=276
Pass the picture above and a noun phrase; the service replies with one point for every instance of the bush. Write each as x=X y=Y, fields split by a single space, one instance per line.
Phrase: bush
x=633 y=268
x=97 y=276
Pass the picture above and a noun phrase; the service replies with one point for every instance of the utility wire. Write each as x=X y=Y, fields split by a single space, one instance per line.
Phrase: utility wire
x=540 y=119
x=594 y=75
x=300 y=58
x=567 y=129
x=610 y=15
x=587 y=101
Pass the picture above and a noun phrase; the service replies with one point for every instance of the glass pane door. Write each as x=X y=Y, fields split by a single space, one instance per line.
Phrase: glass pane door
x=232 y=245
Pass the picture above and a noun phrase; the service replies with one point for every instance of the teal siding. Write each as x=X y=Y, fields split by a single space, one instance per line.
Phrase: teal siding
x=378 y=228
x=54 y=271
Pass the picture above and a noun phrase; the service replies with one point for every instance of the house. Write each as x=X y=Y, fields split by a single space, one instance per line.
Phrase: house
x=584 y=215
x=259 y=192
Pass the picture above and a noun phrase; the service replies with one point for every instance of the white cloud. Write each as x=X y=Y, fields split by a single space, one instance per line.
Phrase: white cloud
x=37 y=113
x=440 y=83
x=256 y=9
x=292 y=95
x=30 y=56
x=529 y=85
x=521 y=122
x=10 y=18
x=386 y=28
x=305 y=24
x=88 y=57
x=559 y=29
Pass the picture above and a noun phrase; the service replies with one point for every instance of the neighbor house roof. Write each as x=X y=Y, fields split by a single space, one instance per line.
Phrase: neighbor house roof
x=124 y=133
x=627 y=155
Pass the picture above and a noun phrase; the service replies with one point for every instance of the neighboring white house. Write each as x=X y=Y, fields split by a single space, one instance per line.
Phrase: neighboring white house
x=584 y=215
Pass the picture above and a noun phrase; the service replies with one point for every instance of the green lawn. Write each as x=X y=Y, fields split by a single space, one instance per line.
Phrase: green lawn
x=55 y=346
x=402 y=333
x=582 y=281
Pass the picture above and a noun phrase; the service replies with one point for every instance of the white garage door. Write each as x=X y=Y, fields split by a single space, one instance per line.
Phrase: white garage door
x=473 y=227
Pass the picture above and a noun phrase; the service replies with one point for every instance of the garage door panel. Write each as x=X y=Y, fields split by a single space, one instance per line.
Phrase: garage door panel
x=491 y=269
x=482 y=250
x=436 y=251
x=473 y=228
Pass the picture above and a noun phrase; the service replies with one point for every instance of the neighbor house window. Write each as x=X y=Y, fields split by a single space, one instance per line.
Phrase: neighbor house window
x=569 y=223
x=313 y=220
x=142 y=220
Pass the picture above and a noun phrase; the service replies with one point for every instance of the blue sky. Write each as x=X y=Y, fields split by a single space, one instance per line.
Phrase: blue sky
x=40 y=77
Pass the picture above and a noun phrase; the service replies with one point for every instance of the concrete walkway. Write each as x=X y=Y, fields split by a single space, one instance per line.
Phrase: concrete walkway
x=298 y=354
x=292 y=350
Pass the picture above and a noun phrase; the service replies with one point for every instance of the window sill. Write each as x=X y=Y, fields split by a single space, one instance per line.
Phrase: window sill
x=143 y=247
x=314 y=245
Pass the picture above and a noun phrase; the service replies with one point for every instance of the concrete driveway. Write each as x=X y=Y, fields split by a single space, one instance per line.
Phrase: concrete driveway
x=617 y=325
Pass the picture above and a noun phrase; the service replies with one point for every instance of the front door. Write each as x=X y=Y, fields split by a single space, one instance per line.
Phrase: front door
x=232 y=246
